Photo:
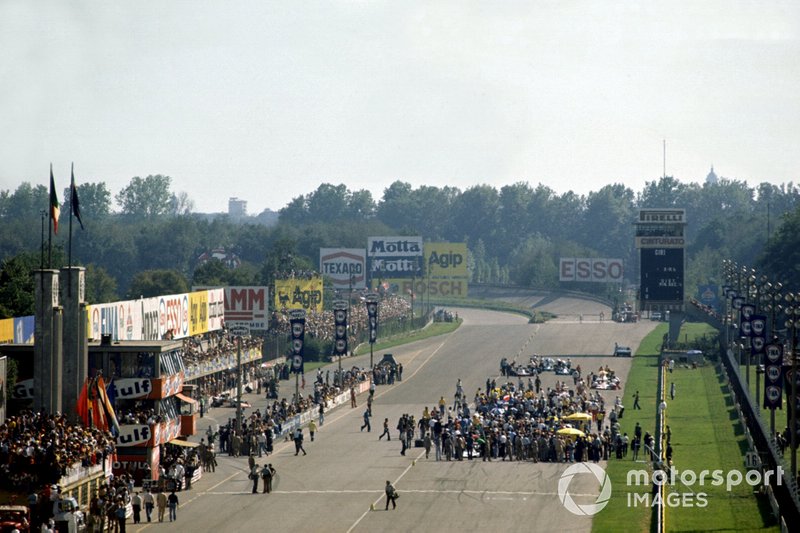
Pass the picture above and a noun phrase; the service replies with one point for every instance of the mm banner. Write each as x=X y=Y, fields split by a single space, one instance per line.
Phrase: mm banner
x=299 y=294
x=394 y=257
x=446 y=260
x=247 y=306
x=345 y=267
x=587 y=269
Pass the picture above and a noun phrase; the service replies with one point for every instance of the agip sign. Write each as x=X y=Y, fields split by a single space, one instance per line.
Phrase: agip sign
x=446 y=260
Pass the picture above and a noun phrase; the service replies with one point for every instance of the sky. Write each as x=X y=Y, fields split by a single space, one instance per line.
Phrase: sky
x=265 y=100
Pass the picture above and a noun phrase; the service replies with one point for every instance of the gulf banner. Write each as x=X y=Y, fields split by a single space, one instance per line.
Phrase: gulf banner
x=299 y=294
x=394 y=257
x=345 y=267
x=446 y=260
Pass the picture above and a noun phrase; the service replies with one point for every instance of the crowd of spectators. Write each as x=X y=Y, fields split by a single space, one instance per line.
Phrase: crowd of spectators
x=37 y=449
x=320 y=325
x=520 y=421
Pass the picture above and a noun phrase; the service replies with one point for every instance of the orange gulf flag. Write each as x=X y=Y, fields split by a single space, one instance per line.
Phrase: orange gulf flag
x=83 y=403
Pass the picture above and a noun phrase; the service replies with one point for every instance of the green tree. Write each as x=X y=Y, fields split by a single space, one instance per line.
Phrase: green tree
x=149 y=283
x=147 y=198
x=17 y=291
x=212 y=272
x=100 y=286
x=94 y=200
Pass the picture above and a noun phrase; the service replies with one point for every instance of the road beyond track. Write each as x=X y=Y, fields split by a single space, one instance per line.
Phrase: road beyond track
x=333 y=487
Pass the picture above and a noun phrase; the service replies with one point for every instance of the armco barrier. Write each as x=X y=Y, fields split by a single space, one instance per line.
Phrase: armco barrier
x=305 y=417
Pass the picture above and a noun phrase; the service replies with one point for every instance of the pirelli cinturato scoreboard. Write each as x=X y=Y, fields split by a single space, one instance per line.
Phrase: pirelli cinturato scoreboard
x=660 y=240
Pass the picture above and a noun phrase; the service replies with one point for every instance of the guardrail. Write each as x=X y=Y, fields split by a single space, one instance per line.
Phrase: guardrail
x=781 y=492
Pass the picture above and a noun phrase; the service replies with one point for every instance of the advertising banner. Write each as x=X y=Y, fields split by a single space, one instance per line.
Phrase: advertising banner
x=590 y=270
x=198 y=312
x=299 y=294
x=173 y=316
x=247 y=306
x=452 y=288
x=394 y=257
x=745 y=315
x=773 y=376
x=345 y=267
x=23 y=329
x=707 y=295
x=116 y=319
x=372 y=317
x=340 y=328
x=6 y=331
x=446 y=260
x=216 y=309
x=297 y=320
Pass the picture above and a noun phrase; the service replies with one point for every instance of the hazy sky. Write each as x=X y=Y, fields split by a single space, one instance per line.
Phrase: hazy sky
x=266 y=100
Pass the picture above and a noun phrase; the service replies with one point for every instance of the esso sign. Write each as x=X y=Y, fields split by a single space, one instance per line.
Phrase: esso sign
x=587 y=269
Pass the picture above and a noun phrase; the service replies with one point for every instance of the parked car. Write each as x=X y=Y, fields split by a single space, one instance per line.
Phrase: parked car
x=15 y=517
x=655 y=315
x=622 y=351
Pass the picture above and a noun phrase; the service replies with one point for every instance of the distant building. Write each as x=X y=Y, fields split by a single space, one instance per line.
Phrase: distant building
x=712 y=178
x=230 y=259
x=237 y=208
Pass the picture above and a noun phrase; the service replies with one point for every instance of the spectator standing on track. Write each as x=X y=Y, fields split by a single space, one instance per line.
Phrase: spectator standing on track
x=321 y=413
x=254 y=474
x=149 y=503
x=267 y=473
x=136 y=504
x=366 y=421
x=298 y=441
x=385 y=430
x=161 y=500
x=172 y=502
x=312 y=429
x=391 y=495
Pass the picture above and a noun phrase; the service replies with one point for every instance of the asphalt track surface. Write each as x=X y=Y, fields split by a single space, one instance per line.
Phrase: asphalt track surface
x=334 y=487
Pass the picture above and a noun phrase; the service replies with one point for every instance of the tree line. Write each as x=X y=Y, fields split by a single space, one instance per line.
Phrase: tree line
x=516 y=234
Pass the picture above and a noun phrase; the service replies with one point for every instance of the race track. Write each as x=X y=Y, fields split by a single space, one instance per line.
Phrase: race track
x=333 y=487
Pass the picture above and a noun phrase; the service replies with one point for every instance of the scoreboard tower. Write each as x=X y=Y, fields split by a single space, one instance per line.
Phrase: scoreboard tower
x=660 y=240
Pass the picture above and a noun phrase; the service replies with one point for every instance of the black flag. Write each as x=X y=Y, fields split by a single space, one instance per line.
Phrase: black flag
x=75 y=206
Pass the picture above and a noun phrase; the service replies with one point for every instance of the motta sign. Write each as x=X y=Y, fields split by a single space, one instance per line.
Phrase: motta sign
x=590 y=270
x=394 y=246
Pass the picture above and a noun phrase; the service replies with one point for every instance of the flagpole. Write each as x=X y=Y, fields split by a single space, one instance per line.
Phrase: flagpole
x=41 y=247
x=71 y=210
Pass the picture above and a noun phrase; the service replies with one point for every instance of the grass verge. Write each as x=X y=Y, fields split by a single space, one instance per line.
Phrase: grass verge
x=707 y=434
x=617 y=516
x=434 y=329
